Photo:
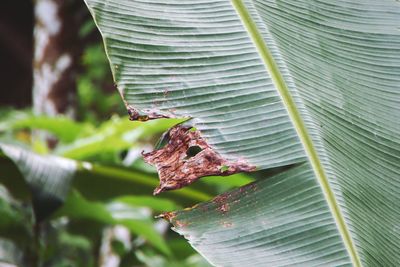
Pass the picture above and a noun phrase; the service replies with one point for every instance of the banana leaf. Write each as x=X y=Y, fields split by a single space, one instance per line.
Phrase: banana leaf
x=271 y=84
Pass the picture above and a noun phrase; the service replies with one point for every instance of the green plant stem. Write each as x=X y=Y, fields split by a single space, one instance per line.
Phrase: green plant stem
x=148 y=182
x=37 y=246
x=299 y=125
x=99 y=182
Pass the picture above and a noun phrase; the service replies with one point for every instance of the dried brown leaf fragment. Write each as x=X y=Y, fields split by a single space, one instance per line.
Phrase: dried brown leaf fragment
x=186 y=158
x=136 y=115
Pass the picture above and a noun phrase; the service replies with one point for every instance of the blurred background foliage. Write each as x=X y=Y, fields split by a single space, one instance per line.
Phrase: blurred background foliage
x=108 y=214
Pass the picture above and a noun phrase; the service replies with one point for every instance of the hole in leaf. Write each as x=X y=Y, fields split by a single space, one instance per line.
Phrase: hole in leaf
x=193 y=151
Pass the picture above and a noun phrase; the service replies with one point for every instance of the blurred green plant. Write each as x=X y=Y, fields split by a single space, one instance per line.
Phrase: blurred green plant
x=59 y=205
x=97 y=96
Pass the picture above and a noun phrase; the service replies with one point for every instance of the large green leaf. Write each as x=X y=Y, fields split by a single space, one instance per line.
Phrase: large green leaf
x=48 y=177
x=274 y=83
x=279 y=221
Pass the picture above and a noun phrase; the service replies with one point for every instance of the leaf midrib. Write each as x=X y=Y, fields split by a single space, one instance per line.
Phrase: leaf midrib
x=299 y=126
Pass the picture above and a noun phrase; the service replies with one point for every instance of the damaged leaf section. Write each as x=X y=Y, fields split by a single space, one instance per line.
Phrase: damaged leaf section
x=168 y=216
x=220 y=207
x=186 y=157
x=136 y=115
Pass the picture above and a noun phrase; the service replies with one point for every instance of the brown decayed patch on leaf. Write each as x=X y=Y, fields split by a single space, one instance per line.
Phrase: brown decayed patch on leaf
x=226 y=224
x=136 y=115
x=180 y=224
x=224 y=208
x=170 y=216
x=167 y=215
x=221 y=201
x=186 y=158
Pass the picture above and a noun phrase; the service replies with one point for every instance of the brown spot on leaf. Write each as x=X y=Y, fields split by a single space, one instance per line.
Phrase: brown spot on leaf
x=249 y=187
x=221 y=201
x=170 y=216
x=180 y=224
x=226 y=224
x=224 y=208
x=187 y=157
x=167 y=215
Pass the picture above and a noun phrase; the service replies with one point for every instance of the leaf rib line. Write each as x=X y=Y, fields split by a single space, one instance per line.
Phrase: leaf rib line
x=299 y=125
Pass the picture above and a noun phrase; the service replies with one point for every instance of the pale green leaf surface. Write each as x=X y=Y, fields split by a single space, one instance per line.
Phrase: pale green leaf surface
x=48 y=177
x=254 y=225
x=50 y=174
x=174 y=58
x=273 y=83
x=346 y=69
